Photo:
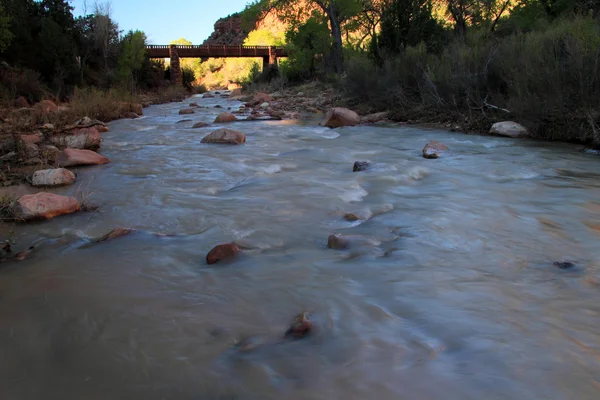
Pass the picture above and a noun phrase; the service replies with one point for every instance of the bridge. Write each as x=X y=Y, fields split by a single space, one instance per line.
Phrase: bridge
x=269 y=54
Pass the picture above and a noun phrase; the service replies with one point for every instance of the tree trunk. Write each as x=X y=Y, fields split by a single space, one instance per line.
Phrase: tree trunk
x=336 y=33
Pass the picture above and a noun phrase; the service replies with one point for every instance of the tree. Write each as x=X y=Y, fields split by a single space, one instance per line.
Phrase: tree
x=336 y=11
x=407 y=23
x=307 y=42
x=131 y=60
x=5 y=33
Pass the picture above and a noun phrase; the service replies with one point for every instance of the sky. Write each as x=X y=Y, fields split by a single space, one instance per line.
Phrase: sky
x=167 y=20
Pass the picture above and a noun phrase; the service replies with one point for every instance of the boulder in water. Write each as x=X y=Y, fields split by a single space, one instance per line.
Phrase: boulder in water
x=225 y=136
x=351 y=217
x=74 y=157
x=84 y=138
x=360 y=166
x=300 y=327
x=45 y=206
x=339 y=116
x=199 y=125
x=225 y=117
x=222 y=252
x=115 y=233
x=509 y=129
x=434 y=149
x=343 y=242
x=373 y=118
x=130 y=115
x=186 y=111
x=52 y=177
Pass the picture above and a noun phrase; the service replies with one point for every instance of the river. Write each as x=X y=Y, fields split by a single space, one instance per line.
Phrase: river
x=454 y=296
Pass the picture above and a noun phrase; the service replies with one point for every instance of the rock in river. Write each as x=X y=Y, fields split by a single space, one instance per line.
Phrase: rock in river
x=222 y=252
x=301 y=327
x=339 y=116
x=186 y=111
x=509 y=129
x=199 y=125
x=360 y=166
x=225 y=136
x=45 y=206
x=74 y=157
x=84 y=138
x=225 y=117
x=52 y=177
x=434 y=149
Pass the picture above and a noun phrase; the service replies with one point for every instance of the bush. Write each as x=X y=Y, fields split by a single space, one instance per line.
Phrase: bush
x=548 y=79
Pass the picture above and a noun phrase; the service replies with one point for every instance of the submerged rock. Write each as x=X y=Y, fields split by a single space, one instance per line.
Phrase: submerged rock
x=45 y=206
x=186 y=111
x=301 y=327
x=373 y=118
x=225 y=117
x=225 y=136
x=351 y=217
x=343 y=242
x=222 y=252
x=52 y=177
x=360 y=166
x=509 y=129
x=434 y=149
x=564 y=264
x=73 y=157
x=339 y=116
x=200 y=125
x=115 y=233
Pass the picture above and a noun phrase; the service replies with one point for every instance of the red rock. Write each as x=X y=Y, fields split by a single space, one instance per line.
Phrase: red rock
x=46 y=106
x=351 y=217
x=45 y=206
x=199 y=125
x=21 y=102
x=136 y=108
x=260 y=98
x=222 y=252
x=83 y=138
x=301 y=327
x=102 y=128
x=186 y=111
x=225 y=117
x=31 y=139
x=225 y=136
x=115 y=233
x=339 y=116
x=73 y=157
x=434 y=149
x=130 y=115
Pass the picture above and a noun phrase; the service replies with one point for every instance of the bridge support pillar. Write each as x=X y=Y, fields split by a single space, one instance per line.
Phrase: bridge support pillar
x=271 y=59
x=175 y=67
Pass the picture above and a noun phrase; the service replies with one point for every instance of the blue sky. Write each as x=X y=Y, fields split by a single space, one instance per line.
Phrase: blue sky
x=167 y=20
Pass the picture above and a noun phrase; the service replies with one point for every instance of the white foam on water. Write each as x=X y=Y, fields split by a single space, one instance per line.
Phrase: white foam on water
x=271 y=169
x=355 y=194
x=417 y=173
x=328 y=134
x=146 y=128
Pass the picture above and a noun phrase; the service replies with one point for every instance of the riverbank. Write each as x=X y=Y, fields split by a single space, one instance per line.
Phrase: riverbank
x=31 y=136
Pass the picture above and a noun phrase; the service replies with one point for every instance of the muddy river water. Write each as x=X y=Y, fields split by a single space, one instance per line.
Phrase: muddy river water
x=453 y=296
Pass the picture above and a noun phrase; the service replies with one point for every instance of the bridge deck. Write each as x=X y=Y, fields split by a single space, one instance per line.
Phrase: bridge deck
x=160 y=51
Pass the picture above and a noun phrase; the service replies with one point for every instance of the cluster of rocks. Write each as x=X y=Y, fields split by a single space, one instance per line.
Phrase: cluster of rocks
x=73 y=146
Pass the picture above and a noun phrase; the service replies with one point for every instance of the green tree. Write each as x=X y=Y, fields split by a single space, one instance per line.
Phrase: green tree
x=131 y=60
x=307 y=42
x=5 y=33
x=407 y=23
x=337 y=12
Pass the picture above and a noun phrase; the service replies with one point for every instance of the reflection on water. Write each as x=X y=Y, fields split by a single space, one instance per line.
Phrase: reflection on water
x=452 y=295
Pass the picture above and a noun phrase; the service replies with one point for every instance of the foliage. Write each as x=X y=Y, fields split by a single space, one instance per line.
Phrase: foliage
x=306 y=43
x=131 y=59
x=5 y=33
x=547 y=79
